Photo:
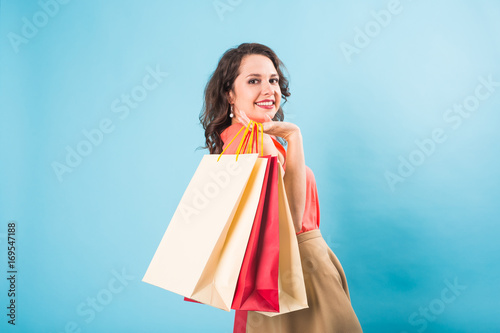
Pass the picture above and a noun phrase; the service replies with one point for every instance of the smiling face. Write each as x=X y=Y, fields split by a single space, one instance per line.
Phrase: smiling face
x=256 y=89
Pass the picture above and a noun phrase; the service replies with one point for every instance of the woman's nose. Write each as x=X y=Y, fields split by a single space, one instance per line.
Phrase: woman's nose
x=267 y=88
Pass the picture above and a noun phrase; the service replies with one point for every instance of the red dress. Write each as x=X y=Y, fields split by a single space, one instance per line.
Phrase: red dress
x=310 y=220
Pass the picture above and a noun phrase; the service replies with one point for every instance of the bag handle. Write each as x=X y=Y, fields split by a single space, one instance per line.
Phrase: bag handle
x=247 y=135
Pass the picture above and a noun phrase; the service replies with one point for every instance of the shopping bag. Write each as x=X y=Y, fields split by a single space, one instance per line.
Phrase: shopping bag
x=291 y=286
x=258 y=290
x=292 y=290
x=201 y=252
x=257 y=287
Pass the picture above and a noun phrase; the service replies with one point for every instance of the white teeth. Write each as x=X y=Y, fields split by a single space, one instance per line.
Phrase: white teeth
x=265 y=103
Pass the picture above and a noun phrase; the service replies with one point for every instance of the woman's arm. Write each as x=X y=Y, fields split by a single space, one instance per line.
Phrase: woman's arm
x=295 y=177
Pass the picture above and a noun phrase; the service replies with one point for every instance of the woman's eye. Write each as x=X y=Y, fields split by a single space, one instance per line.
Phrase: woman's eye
x=252 y=81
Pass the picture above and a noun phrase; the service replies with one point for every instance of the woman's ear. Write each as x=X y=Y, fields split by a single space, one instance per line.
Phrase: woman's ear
x=230 y=97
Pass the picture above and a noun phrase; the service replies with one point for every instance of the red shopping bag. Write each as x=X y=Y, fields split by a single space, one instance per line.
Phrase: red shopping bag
x=257 y=287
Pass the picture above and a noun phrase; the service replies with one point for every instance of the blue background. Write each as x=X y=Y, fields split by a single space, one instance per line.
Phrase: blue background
x=401 y=242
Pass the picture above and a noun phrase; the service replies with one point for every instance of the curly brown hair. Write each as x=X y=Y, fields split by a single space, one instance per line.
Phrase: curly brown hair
x=214 y=115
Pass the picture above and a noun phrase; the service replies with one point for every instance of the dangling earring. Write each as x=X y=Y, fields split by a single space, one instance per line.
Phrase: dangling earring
x=231 y=114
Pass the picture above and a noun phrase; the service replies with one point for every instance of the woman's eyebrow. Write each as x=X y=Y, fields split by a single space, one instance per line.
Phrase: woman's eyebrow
x=256 y=74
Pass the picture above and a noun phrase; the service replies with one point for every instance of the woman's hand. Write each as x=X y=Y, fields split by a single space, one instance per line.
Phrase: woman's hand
x=282 y=129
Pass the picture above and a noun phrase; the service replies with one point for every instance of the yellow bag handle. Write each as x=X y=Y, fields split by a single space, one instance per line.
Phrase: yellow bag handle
x=251 y=124
x=258 y=128
x=249 y=145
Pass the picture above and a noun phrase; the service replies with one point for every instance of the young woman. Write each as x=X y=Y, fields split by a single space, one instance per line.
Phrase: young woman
x=249 y=84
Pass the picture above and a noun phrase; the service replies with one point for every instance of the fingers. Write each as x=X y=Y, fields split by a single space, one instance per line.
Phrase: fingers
x=245 y=117
x=240 y=117
x=266 y=126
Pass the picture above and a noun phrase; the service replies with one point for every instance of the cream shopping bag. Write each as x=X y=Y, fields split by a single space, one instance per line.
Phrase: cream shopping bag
x=201 y=252
x=291 y=286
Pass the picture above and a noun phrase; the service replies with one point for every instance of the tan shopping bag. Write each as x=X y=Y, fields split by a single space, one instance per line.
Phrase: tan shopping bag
x=201 y=252
x=291 y=287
